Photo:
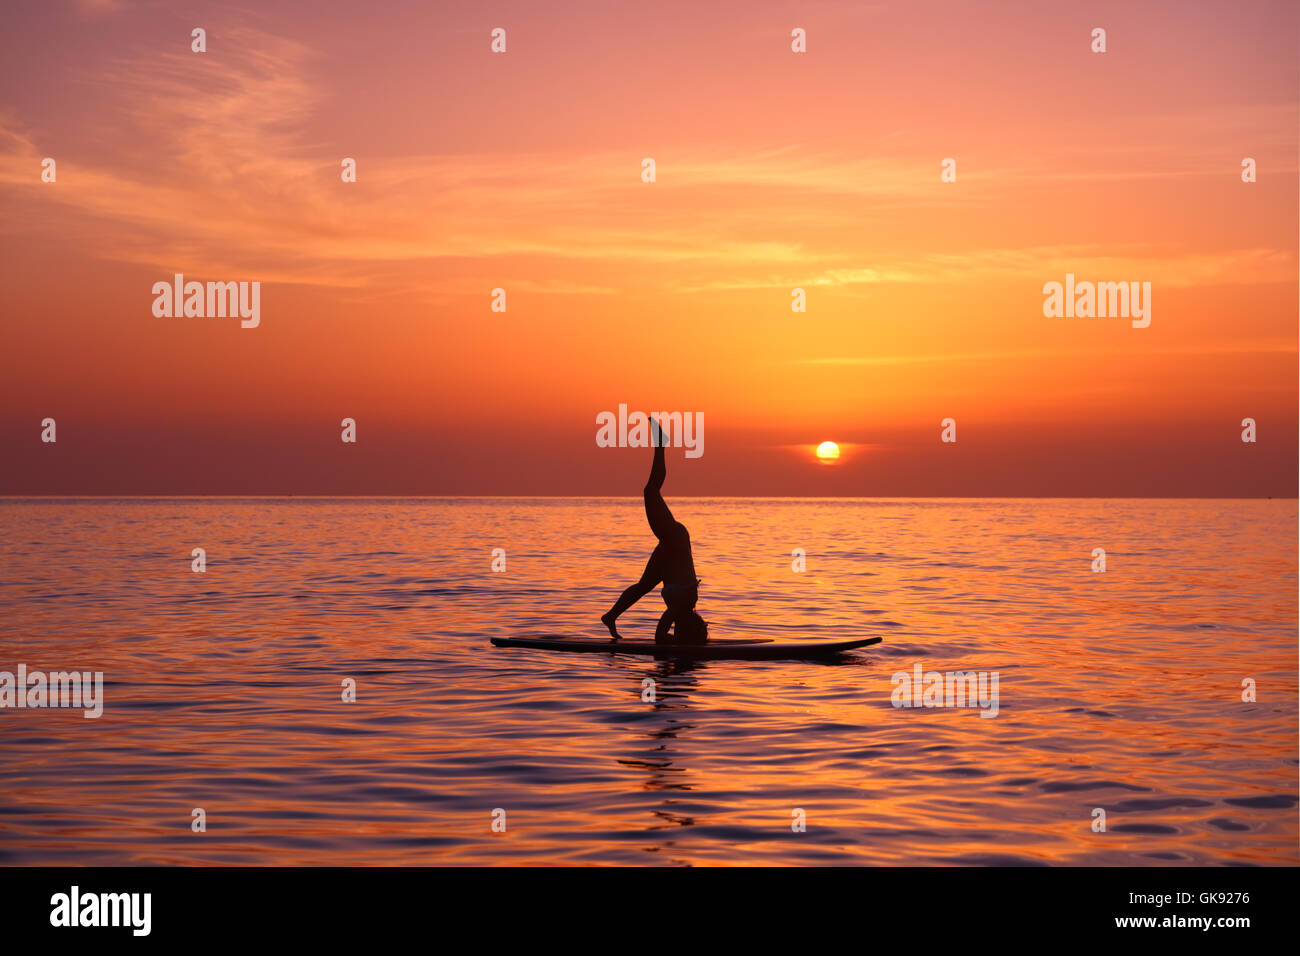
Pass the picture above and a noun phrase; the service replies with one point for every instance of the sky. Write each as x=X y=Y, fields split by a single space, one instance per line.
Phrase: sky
x=774 y=170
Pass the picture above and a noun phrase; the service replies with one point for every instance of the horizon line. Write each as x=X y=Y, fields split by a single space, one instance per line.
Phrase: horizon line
x=111 y=497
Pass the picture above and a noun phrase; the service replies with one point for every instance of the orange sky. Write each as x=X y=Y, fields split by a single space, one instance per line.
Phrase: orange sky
x=775 y=170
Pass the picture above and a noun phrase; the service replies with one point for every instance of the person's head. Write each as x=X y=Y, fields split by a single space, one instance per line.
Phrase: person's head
x=691 y=629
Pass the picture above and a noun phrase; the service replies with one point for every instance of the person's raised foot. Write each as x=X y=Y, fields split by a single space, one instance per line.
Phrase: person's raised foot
x=608 y=621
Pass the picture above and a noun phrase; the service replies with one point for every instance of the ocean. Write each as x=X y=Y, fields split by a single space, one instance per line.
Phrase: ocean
x=1118 y=691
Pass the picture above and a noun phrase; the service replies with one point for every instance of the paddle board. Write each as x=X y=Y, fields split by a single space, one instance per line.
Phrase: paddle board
x=751 y=649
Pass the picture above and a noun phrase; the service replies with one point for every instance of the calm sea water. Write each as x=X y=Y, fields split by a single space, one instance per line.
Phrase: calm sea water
x=1118 y=690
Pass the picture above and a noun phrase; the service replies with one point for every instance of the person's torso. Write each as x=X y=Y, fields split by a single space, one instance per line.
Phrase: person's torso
x=679 y=563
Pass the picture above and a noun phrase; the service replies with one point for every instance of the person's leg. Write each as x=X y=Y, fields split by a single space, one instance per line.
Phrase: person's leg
x=656 y=509
x=650 y=577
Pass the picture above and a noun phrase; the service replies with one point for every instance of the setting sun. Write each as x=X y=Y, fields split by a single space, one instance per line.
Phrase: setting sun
x=828 y=451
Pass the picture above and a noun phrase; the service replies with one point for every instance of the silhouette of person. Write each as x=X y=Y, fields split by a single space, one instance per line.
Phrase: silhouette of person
x=671 y=563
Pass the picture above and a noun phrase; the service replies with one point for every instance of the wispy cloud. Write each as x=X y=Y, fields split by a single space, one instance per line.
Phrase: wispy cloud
x=213 y=160
x=1037 y=265
x=1249 y=347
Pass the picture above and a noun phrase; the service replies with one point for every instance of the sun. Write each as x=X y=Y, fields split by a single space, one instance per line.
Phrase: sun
x=828 y=451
